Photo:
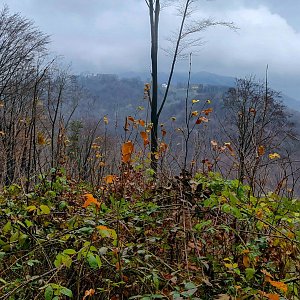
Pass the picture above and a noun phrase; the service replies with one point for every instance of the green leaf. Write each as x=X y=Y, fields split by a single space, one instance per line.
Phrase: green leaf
x=249 y=273
x=14 y=237
x=66 y=292
x=32 y=262
x=189 y=286
x=69 y=251
x=49 y=292
x=66 y=260
x=45 y=209
x=94 y=261
x=58 y=260
x=62 y=205
x=6 y=228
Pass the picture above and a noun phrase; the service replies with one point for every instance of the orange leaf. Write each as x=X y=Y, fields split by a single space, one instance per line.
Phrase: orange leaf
x=207 y=111
x=246 y=261
x=89 y=199
x=273 y=296
x=144 y=136
x=163 y=132
x=130 y=118
x=252 y=110
x=127 y=149
x=261 y=150
x=102 y=227
x=142 y=122
x=163 y=146
x=201 y=119
x=110 y=179
x=87 y=293
x=280 y=285
x=118 y=266
x=41 y=139
x=126 y=158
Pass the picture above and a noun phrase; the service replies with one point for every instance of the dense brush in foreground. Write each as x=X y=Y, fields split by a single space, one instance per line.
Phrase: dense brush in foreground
x=198 y=237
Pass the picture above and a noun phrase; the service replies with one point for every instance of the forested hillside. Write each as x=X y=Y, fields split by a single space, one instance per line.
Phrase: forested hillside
x=88 y=210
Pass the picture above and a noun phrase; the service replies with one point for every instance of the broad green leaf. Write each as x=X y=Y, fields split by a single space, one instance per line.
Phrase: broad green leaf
x=66 y=292
x=45 y=209
x=49 y=292
x=94 y=261
x=67 y=260
x=6 y=228
x=58 y=260
x=69 y=251
x=249 y=273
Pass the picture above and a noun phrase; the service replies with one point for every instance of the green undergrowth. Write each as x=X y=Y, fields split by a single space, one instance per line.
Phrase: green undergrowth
x=198 y=237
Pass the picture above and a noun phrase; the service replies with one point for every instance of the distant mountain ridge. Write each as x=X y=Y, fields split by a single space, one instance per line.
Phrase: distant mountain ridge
x=180 y=77
x=204 y=77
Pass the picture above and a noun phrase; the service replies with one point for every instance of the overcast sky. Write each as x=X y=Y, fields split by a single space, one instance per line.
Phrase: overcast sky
x=112 y=36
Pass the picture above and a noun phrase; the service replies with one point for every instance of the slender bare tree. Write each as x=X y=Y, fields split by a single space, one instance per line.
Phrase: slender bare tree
x=186 y=37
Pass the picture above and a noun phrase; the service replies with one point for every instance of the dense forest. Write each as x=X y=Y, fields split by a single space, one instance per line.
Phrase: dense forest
x=84 y=212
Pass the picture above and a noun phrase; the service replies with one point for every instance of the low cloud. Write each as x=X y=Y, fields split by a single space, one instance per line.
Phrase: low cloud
x=113 y=36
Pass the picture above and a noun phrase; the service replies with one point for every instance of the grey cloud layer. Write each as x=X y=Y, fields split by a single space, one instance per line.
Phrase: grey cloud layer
x=113 y=35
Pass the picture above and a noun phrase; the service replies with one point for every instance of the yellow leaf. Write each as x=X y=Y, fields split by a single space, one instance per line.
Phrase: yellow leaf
x=231 y=266
x=259 y=213
x=195 y=101
x=194 y=113
x=105 y=119
x=147 y=87
x=274 y=155
x=31 y=208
